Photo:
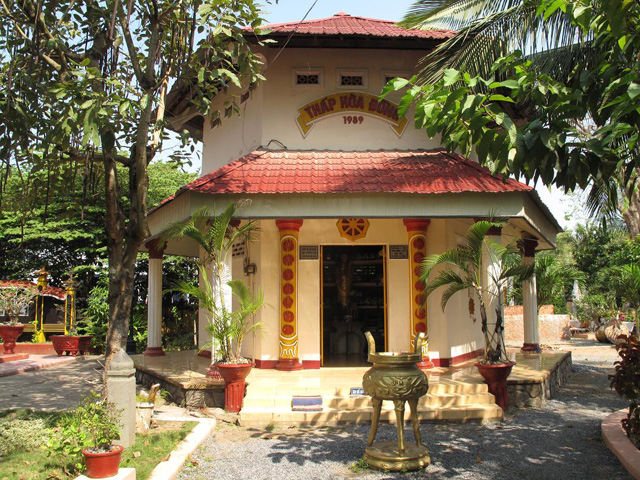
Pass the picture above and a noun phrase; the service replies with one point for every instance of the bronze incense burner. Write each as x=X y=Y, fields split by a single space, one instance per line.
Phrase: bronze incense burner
x=396 y=377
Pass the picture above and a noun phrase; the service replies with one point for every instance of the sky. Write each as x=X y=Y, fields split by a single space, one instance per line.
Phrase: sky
x=562 y=206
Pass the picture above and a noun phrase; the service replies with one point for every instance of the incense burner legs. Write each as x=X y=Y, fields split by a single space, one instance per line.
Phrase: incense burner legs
x=395 y=377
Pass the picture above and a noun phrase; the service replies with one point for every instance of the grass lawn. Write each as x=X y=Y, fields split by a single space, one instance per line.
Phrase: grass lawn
x=23 y=435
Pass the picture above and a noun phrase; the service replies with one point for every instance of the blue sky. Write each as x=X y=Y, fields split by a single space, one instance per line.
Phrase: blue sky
x=295 y=10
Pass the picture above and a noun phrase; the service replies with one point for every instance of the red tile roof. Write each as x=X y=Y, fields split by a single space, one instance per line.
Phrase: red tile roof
x=285 y=171
x=59 y=293
x=344 y=24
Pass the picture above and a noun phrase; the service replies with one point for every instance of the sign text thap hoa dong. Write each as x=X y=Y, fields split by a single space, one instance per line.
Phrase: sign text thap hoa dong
x=353 y=103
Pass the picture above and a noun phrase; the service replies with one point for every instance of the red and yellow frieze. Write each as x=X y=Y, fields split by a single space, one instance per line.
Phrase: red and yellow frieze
x=417 y=233
x=288 y=356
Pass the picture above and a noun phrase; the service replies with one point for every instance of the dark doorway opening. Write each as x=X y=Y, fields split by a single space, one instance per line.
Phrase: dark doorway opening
x=353 y=302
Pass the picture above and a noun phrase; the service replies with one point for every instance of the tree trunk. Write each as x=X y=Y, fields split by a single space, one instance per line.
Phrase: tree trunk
x=631 y=215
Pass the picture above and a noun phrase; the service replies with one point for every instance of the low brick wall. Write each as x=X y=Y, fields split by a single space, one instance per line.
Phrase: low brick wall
x=524 y=393
x=552 y=327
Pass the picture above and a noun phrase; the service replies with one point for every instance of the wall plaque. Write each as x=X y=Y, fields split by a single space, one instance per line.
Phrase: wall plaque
x=398 y=252
x=309 y=252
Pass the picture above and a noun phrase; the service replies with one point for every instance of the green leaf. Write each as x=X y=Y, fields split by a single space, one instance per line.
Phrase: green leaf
x=450 y=77
x=633 y=90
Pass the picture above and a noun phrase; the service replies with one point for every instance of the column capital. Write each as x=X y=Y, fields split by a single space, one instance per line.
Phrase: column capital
x=530 y=245
x=156 y=249
x=289 y=224
x=416 y=224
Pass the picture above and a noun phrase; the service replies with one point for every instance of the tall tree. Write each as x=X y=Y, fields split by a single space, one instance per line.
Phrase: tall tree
x=89 y=80
x=562 y=109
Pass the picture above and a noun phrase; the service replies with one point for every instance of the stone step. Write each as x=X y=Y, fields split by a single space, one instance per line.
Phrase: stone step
x=446 y=387
x=349 y=402
x=263 y=416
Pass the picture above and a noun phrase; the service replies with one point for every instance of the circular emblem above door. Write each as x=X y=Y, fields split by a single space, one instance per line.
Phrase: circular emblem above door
x=353 y=228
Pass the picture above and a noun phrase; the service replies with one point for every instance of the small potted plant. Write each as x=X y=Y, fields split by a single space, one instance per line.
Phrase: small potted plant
x=463 y=270
x=89 y=431
x=72 y=342
x=13 y=300
x=216 y=234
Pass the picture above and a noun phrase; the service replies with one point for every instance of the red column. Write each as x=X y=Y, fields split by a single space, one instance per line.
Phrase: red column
x=288 y=356
x=417 y=232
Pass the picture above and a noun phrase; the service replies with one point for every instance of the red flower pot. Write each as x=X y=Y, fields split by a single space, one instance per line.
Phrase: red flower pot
x=10 y=334
x=71 y=344
x=496 y=378
x=234 y=385
x=103 y=465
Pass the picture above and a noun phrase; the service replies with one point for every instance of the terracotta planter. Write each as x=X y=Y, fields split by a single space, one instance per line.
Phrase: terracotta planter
x=234 y=385
x=103 y=465
x=10 y=334
x=70 y=344
x=496 y=378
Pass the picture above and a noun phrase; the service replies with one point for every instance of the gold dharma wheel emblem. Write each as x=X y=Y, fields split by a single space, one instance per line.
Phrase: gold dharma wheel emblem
x=353 y=228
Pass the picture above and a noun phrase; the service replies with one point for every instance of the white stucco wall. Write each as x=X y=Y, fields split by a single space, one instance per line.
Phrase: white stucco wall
x=272 y=108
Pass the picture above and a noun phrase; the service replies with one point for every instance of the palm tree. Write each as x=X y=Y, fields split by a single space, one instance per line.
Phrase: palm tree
x=216 y=235
x=464 y=271
x=552 y=277
x=626 y=282
x=486 y=30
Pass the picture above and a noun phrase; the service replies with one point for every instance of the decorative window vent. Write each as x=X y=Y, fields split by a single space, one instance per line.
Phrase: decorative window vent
x=239 y=249
x=353 y=228
x=388 y=76
x=306 y=77
x=352 y=79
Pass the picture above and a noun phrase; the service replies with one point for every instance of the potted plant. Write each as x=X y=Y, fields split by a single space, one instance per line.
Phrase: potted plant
x=12 y=301
x=216 y=235
x=72 y=342
x=463 y=270
x=89 y=431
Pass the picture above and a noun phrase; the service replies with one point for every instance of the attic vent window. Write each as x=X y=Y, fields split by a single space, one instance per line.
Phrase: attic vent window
x=390 y=75
x=352 y=79
x=313 y=79
x=306 y=77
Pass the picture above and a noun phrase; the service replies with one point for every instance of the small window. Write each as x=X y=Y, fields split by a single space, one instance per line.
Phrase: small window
x=352 y=79
x=308 y=77
x=387 y=76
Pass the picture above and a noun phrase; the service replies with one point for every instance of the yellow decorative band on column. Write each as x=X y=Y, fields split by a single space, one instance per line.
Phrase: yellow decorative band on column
x=288 y=357
x=417 y=232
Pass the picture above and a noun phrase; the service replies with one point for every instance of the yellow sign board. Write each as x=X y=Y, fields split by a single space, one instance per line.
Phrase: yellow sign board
x=353 y=103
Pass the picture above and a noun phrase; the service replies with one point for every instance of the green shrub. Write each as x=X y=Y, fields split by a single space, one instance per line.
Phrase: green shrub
x=626 y=382
x=22 y=434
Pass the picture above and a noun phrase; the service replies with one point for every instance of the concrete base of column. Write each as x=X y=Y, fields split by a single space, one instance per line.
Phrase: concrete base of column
x=213 y=373
x=154 y=352
x=288 y=364
x=425 y=364
x=531 y=348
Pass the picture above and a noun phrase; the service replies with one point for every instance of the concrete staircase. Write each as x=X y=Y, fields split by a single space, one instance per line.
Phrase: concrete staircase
x=448 y=400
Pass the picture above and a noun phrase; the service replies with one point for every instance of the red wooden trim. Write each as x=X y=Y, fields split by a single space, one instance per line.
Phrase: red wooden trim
x=270 y=364
x=531 y=347
x=465 y=357
x=530 y=245
x=155 y=250
x=154 y=352
x=310 y=364
x=290 y=224
x=288 y=364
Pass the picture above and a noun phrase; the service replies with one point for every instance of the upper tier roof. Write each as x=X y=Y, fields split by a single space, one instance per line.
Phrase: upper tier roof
x=344 y=24
x=345 y=31
x=323 y=172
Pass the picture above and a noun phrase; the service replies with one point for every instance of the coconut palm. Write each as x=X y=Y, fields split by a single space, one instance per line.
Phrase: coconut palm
x=626 y=282
x=464 y=271
x=486 y=30
x=552 y=277
x=216 y=235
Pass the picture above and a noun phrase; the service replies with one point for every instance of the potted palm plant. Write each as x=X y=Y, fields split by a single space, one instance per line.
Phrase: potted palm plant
x=216 y=235
x=72 y=342
x=463 y=270
x=12 y=301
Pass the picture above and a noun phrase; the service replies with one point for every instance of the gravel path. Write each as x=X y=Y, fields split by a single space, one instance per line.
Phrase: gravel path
x=560 y=441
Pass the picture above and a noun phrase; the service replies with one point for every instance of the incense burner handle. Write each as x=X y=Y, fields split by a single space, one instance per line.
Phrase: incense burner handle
x=371 y=342
x=418 y=341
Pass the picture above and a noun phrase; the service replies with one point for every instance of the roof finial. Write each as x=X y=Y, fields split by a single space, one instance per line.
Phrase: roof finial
x=342 y=14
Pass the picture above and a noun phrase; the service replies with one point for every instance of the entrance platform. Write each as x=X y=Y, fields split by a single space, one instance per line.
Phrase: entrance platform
x=456 y=394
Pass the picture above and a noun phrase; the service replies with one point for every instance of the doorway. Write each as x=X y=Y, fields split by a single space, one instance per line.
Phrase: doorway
x=353 y=302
